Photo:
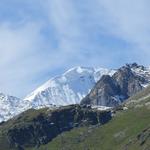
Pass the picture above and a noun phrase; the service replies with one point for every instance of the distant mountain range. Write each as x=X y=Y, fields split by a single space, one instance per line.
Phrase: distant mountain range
x=11 y=106
x=89 y=86
x=80 y=102
x=127 y=127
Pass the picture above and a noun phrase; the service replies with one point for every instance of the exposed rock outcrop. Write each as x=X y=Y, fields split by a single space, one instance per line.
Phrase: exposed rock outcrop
x=27 y=131
x=111 y=91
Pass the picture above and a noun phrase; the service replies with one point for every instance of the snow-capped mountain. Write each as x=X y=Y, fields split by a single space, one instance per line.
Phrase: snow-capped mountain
x=68 y=88
x=11 y=106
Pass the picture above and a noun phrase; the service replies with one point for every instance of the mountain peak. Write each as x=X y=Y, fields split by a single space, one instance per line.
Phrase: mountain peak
x=79 y=70
x=135 y=66
x=68 y=88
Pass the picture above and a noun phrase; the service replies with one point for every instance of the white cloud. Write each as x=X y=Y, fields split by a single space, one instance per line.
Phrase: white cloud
x=17 y=45
x=54 y=34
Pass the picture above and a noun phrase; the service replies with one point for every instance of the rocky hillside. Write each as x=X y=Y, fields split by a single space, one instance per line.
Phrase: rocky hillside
x=34 y=128
x=113 y=90
x=129 y=129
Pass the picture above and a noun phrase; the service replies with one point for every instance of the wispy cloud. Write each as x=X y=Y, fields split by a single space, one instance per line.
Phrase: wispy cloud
x=129 y=20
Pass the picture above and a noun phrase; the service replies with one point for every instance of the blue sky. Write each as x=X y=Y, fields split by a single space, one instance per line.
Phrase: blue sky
x=43 y=38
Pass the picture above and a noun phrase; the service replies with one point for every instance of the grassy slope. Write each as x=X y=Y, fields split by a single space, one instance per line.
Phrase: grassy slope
x=113 y=136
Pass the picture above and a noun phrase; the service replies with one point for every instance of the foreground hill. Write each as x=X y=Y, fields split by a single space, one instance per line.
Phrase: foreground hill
x=129 y=130
x=34 y=128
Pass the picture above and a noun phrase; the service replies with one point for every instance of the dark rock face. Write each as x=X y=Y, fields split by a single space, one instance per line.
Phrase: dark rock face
x=44 y=128
x=40 y=131
x=111 y=91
